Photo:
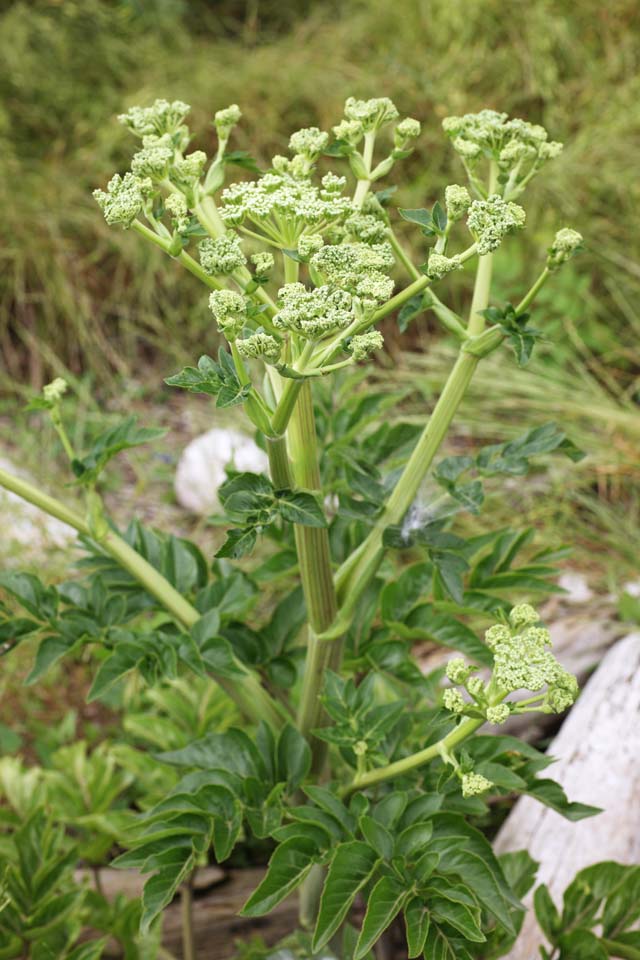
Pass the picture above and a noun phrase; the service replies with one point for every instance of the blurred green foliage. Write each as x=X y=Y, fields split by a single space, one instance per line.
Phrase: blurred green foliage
x=74 y=294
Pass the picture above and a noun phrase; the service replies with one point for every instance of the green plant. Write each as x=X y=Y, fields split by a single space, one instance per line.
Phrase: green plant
x=365 y=775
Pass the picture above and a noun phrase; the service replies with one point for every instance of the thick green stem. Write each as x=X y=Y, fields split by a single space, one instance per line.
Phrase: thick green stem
x=279 y=463
x=246 y=691
x=191 y=265
x=314 y=556
x=188 y=945
x=357 y=571
x=400 y=767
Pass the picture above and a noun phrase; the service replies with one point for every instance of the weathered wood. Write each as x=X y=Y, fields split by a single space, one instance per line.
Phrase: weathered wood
x=598 y=751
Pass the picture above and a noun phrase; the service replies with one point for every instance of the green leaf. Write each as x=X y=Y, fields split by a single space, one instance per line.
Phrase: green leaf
x=50 y=650
x=88 y=951
x=300 y=507
x=416 y=919
x=420 y=216
x=439 y=217
x=109 y=443
x=520 y=871
x=160 y=889
x=457 y=915
x=451 y=567
x=552 y=795
x=425 y=623
x=288 y=866
x=350 y=869
x=412 y=841
x=377 y=836
x=294 y=757
x=232 y=751
x=476 y=865
x=239 y=542
x=384 y=904
x=582 y=945
x=546 y=913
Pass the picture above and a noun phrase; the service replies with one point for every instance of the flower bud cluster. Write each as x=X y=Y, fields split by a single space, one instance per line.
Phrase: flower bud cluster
x=309 y=142
x=439 y=266
x=313 y=313
x=523 y=660
x=511 y=143
x=473 y=784
x=230 y=312
x=370 y=114
x=566 y=244
x=160 y=118
x=189 y=169
x=177 y=206
x=225 y=120
x=492 y=219
x=406 y=131
x=457 y=201
x=263 y=263
x=260 y=345
x=124 y=198
x=53 y=392
x=364 y=344
x=220 y=257
x=285 y=198
x=154 y=159
x=358 y=268
x=308 y=244
x=366 y=228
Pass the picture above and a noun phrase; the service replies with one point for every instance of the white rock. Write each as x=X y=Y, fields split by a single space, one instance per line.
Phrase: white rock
x=578 y=590
x=25 y=526
x=201 y=468
x=597 y=749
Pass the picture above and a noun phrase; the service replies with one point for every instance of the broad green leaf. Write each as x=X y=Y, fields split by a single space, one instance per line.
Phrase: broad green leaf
x=412 y=841
x=377 y=836
x=50 y=650
x=546 y=913
x=416 y=919
x=476 y=865
x=582 y=945
x=110 y=442
x=301 y=507
x=326 y=800
x=288 y=866
x=420 y=216
x=351 y=867
x=520 y=871
x=88 y=951
x=294 y=757
x=239 y=542
x=552 y=795
x=160 y=889
x=384 y=903
x=232 y=751
x=459 y=916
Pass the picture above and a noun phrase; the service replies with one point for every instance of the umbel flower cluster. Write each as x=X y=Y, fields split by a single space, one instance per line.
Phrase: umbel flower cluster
x=339 y=254
x=523 y=661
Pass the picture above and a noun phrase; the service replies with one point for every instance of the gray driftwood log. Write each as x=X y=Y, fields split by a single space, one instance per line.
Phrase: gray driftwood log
x=598 y=752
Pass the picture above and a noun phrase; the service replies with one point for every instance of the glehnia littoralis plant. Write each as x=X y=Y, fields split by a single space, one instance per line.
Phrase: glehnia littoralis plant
x=363 y=775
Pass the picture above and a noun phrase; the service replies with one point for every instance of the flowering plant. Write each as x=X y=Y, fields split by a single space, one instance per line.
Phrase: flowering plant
x=366 y=776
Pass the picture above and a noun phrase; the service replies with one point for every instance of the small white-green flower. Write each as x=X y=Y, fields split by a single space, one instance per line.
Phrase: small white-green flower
x=54 y=391
x=457 y=201
x=260 y=345
x=358 y=268
x=153 y=160
x=276 y=197
x=162 y=117
x=497 y=634
x=473 y=784
x=492 y=219
x=226 y=119
x=124 y=198
x=310 y=142
x=176 y=204
x=308 y=244
x=453 y=701
x=190 y=168
x=566 y=244
x=350 y=131
x=371 y=114
x=523 y=615
x=458 y=670
x=221 y=256
x=498 y=714
x=406 y=131
x=313 y=313
x=439 y=266
x=364 y=344
x=476 y=687
x=263 y=262
x=366 y=228
x=230 y=311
